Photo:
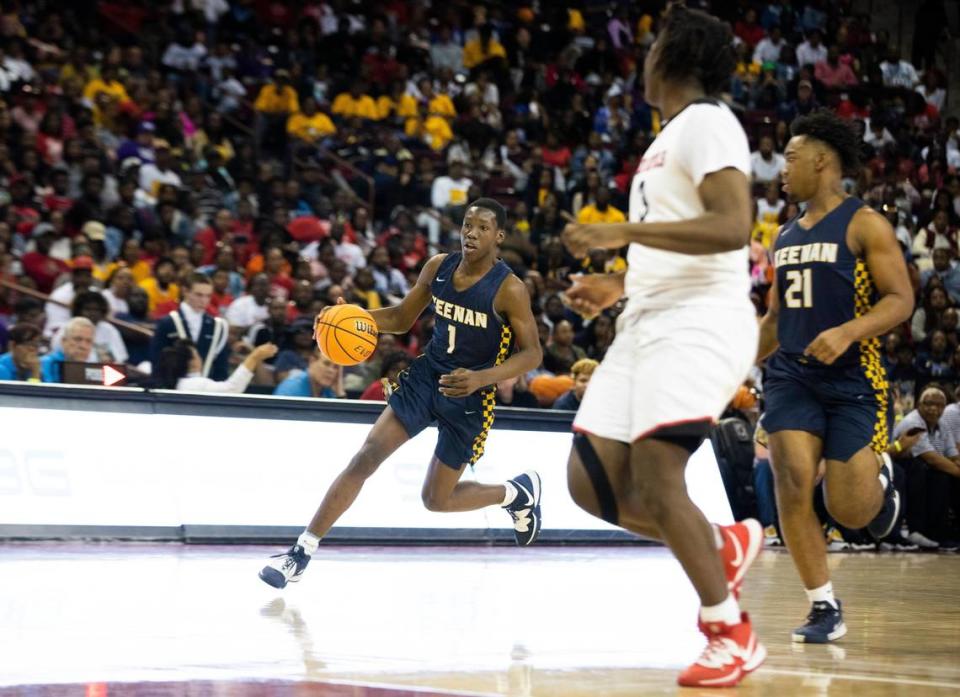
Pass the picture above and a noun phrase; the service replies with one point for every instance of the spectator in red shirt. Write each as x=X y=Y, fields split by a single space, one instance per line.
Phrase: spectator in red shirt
x=221 y=298
x=39 y=265
x=748 y=30
x=221 y=228
x=277 y=269
x=58 y=198
x=555 y=154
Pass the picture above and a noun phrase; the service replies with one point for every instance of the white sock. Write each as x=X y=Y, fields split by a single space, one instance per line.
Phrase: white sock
x=823 y=594
x=509 y=495
x=309 y=542
x=717 y=535
x=727 y=612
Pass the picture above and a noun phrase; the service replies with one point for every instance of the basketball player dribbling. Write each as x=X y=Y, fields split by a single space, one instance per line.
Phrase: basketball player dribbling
x=841 y=282
x=481 y=309
x=686 y=339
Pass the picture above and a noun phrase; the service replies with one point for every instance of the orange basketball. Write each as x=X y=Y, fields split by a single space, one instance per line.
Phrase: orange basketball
x=347 y=334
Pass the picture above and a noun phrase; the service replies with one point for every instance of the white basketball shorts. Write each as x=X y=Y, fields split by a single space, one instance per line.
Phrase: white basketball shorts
x=667 y=368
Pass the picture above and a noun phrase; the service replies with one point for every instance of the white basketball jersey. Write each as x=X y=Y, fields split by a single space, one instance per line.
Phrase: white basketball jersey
x=704 y=137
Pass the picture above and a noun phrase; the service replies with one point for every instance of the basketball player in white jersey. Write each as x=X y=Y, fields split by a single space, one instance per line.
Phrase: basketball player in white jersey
x=686 y=339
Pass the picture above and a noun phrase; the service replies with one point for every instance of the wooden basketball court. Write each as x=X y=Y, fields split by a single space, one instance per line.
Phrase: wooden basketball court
x=131 y=619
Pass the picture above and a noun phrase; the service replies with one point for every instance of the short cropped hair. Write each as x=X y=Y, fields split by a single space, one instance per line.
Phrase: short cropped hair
x=499 y=212
x=828 y=128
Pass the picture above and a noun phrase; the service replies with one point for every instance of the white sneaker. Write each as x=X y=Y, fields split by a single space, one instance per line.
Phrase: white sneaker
x=922 y=541
x=287 y=567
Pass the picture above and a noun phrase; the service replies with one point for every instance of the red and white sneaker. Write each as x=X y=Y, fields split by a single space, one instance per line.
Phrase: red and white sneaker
x=742 y=543
x=732 y=652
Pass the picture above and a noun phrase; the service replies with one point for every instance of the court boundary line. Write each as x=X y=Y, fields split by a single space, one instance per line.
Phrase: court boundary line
x=861 y=677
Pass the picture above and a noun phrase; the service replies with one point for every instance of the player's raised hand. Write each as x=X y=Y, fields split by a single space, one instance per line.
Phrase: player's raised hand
x=829 y=345
x=592 y=293
x=460 y=383
x=323 y=313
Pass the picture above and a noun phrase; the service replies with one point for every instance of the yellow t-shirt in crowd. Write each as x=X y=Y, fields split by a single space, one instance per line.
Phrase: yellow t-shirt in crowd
x=363 y=106
x=589 y=215
x=157 y=295
x=474 y=54
x=437 y=132
x=310 y=128
x=270 y=100
x=442 y=105
x=387 y=106
x=141 y=271
x=113 y=88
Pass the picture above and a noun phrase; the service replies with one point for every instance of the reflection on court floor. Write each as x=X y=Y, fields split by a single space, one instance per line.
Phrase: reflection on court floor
x=133 y=619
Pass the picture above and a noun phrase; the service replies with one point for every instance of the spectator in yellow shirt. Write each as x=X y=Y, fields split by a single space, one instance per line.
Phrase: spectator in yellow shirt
x=601 y=211
x=310 y=125
x=163 y=294
x=276 y=102
x=439 y=104
x=483 y=48
x=107 y=84
x=432 y=130
x=355 y=103
x=398 y=104
x=278 y=97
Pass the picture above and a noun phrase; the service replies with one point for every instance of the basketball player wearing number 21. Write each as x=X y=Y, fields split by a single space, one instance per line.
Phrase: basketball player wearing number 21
x=841 y=282
x=484 y=332
x=686 y=339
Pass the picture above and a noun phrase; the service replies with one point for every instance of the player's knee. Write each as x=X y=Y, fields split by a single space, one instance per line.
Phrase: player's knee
x=432 y=501
x=367 y=459
x=793 y=485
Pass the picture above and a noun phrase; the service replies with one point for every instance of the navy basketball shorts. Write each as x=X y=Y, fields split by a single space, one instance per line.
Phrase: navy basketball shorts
x=847 y=407
x=462 y=422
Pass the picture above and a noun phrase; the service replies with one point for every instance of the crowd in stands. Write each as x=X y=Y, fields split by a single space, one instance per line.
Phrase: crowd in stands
x=248 y=162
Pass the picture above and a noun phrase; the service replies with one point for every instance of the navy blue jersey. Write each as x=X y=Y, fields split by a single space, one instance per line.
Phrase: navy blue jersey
x=468 y=332
x=821 y=284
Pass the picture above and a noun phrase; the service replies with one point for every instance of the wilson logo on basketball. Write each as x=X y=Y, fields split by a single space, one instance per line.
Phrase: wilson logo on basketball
x=365 y=327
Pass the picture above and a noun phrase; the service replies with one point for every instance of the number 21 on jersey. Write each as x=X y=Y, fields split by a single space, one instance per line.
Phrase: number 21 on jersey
x=799 y=293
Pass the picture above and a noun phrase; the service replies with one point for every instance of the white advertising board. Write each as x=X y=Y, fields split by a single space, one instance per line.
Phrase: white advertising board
x=61 y=467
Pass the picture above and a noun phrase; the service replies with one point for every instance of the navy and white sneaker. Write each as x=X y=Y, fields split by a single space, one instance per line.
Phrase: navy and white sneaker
x=525 y=509
x=288 y=567
x=824 y=624
x=884 y=522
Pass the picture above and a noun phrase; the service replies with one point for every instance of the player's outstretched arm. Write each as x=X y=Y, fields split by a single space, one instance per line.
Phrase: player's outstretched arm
x=513 y=304
x=398 y=319
x=724 y=226
x=872 y=238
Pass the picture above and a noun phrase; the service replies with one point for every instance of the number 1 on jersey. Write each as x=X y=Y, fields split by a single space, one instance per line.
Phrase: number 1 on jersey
x=452 y=336
x=801 y=284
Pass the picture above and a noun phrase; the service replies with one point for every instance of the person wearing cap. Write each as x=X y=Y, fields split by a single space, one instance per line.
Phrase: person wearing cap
x=22 y=361
x=141 y=147
x=96 y=233
x=161 y=171
x=58 y=305
x=210 y=335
